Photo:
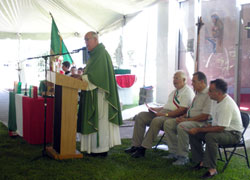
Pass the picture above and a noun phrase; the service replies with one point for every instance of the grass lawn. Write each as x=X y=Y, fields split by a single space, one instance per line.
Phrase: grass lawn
x=129 y=106
x=16 y=163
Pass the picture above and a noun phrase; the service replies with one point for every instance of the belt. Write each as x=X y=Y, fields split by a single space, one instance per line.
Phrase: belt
x=235 y=132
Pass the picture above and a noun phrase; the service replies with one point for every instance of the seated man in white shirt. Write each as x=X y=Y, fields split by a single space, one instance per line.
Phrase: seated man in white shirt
x=197 y=115
x=178 y=102
x=226 y=128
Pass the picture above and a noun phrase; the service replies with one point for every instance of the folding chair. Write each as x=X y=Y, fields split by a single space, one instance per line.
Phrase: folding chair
x=232 y=147
x=155 y=147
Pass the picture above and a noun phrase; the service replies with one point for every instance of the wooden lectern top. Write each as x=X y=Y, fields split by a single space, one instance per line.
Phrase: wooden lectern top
x=66 y=81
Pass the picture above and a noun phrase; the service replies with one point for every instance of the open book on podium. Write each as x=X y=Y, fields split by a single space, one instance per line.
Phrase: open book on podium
x=65 y=116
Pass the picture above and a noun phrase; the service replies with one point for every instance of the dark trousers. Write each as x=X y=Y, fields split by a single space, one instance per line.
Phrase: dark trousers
x=212 y=140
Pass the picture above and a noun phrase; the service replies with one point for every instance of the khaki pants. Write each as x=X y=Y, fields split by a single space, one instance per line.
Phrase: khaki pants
x=155 y=124
x=212 y=140
x=177 y=137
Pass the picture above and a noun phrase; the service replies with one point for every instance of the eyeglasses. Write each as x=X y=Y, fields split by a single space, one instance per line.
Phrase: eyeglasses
x=212 y=90
x=87 y=39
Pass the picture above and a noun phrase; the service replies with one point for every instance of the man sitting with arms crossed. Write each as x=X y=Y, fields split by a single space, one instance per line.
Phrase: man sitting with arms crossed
x=178 y=102
x=197 y=115
x=226 y=129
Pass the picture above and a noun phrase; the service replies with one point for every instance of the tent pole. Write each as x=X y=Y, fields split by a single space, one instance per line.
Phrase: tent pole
x=146 y=53
x=18 y=64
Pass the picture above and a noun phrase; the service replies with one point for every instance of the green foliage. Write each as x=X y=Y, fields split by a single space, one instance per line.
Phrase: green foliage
x=129 y=106
x=17 y=163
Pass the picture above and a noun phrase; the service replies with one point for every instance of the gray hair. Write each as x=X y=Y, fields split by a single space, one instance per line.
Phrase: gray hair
x=94 y=35
x=183 y=75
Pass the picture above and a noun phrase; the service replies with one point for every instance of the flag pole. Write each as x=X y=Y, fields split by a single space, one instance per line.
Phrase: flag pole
x=51 y=15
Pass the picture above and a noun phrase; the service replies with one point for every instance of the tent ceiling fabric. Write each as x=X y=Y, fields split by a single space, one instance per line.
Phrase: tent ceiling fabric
x=31 y=18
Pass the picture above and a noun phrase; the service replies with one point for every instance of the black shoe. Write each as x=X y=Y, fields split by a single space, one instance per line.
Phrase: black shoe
x=140 y=152
x=131 y=150
x=208 y=175
x=197 y=167
x=103 y=154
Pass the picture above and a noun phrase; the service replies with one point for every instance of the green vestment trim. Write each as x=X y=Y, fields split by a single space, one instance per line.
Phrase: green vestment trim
x=100 y=72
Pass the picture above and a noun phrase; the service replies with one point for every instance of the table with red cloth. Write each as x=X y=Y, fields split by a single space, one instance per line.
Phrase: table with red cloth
x=125 y=80
x=33 y=119
x=26 y=118
x=125 y=83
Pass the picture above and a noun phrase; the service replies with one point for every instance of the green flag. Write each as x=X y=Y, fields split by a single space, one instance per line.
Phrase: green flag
x=57 y=45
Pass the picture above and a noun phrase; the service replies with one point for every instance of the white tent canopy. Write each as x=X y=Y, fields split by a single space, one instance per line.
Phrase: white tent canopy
x=30 y=19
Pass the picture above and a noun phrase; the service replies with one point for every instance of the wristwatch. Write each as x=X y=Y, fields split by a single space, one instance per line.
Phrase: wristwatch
x=166 y=114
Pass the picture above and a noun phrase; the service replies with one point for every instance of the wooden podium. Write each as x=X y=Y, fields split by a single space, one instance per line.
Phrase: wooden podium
x=65 y=116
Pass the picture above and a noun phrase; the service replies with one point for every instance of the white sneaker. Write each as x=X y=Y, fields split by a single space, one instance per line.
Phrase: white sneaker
x=181 y=161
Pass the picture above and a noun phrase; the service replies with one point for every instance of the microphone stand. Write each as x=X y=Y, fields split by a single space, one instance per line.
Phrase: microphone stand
x=45 y=97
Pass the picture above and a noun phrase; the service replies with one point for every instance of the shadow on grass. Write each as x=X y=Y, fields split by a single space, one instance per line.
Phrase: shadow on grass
x=16 y=164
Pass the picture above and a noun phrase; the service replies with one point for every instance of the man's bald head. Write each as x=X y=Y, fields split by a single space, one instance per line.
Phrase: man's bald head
x=91 y=40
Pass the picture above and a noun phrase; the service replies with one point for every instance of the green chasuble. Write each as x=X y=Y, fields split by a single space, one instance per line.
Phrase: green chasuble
x=100 y=72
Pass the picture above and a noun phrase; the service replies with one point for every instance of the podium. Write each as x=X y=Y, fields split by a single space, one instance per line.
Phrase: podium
x=65 y=116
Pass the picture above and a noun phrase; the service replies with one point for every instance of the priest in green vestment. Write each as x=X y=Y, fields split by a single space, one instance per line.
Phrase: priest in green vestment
x=99 y=114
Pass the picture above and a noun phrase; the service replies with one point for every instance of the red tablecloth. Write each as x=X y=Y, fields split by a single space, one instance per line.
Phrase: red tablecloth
x=33 y=120
x=125 y=80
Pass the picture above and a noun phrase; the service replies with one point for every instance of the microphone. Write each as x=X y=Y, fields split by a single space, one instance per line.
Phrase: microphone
x=81 y=49
x=247 y=27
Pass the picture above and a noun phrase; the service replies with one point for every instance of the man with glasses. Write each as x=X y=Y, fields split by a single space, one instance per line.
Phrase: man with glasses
x=197 y=115
x=226 y=128
x=99 y=114
x=178 y=102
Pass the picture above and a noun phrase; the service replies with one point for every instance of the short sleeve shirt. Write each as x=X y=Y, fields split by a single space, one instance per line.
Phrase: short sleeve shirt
x=227 y=114
x=201 y=104
x=185 y=96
